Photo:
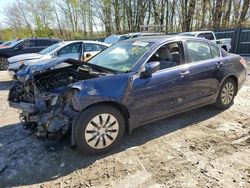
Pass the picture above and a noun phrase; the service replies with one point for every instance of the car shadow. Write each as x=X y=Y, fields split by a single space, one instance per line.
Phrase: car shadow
x=6 y=85
x=26 y=160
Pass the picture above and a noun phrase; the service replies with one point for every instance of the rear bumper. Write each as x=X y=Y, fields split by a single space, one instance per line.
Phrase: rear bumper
x=242 y=78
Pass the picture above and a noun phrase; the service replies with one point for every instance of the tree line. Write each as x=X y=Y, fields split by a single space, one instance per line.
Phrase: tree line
x=78 y=19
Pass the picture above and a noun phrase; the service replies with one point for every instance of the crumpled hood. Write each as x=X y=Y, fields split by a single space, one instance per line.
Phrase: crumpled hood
x=27 y=72
x=24 y=57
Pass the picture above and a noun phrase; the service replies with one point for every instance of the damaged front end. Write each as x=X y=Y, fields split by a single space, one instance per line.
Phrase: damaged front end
x=44 y=97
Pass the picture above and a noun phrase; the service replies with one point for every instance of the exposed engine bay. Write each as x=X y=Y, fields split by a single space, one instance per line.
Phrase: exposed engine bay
x=45 y=101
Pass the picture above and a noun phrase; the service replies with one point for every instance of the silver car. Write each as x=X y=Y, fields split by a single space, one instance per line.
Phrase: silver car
x=78 y=50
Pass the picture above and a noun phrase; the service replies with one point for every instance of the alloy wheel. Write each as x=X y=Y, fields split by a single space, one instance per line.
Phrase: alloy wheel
x=101 y=131
x=227 y=93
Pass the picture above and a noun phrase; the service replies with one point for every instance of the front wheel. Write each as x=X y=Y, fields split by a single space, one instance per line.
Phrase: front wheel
x=3 y=63
x=226 y=94
x=99 y=129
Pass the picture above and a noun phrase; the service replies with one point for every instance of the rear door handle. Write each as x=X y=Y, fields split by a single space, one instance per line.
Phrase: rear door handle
x=184 y=73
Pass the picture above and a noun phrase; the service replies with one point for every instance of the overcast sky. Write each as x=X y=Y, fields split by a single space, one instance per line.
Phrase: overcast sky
x=3 y=4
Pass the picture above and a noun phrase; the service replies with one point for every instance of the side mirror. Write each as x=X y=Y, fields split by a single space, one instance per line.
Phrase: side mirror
x=150 y=68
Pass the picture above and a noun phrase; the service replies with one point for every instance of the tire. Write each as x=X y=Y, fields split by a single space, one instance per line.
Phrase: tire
x=95 y=135
x=3 y=63
x=226 y=94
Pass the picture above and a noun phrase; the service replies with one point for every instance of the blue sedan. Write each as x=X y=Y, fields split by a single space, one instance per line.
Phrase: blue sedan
x=129 y=84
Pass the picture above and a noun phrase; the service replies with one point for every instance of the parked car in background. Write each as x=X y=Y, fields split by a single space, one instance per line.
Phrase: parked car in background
x=30 y=45
x=209 y=35
x=129 y=84
x=143 y=34
x=7 y=43
x=112 y=39
x=79 y=50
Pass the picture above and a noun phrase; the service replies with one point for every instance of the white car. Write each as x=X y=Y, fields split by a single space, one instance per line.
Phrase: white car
x=209 y=35
x=78 y=50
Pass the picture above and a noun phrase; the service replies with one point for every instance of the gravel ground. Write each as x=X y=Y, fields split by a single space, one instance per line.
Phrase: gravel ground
x=201 y=148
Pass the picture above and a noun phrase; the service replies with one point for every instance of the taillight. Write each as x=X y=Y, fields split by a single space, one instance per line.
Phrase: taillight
x=243 y=62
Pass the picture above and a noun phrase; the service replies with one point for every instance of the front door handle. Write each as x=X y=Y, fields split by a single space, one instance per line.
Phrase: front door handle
x=184 y=73
x=219 y=65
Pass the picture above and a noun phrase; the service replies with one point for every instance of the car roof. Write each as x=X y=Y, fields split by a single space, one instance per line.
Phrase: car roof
x=85 y=41
x=42 y=38
x=197 y=32
x=161 y=38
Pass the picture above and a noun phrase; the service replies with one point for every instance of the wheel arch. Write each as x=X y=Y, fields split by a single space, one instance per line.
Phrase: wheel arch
x=119 y=106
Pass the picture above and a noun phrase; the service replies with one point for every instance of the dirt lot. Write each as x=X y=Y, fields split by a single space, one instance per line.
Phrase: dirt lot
x=201 y=148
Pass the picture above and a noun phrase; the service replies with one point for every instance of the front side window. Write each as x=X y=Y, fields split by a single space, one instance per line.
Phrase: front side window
x=198 y=51
x=28 y=44
x=169 y=55
x=71 y=48
x=121 y=56
x=215 y=51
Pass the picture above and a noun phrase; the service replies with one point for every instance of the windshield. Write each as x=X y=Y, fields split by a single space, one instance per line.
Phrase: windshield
x=121 y=56
x=50 y=49
x=6 y=43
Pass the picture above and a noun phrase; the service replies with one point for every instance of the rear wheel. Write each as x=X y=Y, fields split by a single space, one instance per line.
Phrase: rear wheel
x=3 y=63
x=99 y=129
x=226 y=94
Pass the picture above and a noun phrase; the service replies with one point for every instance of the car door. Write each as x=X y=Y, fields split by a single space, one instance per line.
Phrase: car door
x=204 y=69
x=72 y=50
x=163 y=92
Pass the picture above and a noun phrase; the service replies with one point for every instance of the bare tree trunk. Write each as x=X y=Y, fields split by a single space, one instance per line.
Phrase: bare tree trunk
x=226 y=17
x=116 y=6
x=167 y=13
x=245 y=8
x=217 y=14
x=204 y=9
x=58 y=23
x=190 y=13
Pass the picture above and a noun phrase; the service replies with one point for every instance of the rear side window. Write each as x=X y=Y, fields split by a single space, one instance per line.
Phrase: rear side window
x=91 y=47
x=215 y=51
x=198 y=51
x=44 y=42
